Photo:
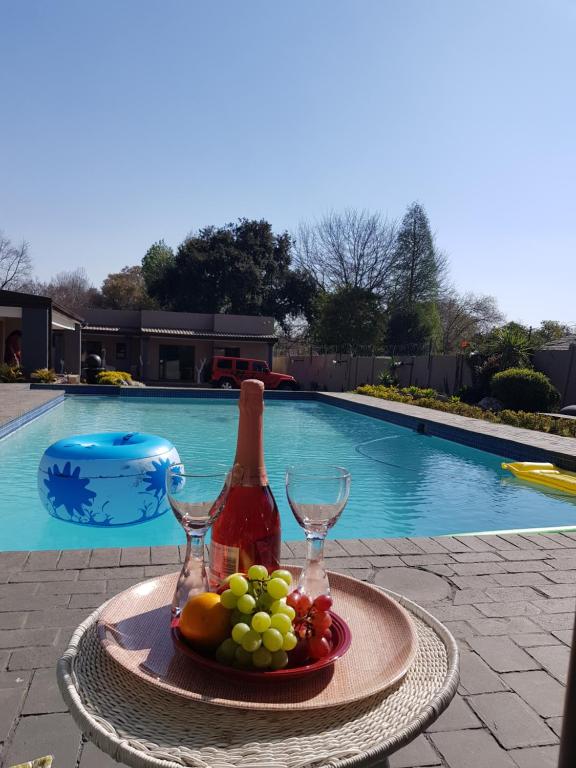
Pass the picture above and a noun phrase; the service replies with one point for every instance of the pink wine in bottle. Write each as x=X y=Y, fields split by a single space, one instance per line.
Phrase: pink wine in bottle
x=247 y=531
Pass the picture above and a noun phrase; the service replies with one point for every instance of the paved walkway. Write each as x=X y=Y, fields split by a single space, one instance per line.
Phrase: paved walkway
x=508 y=599
x=18 y=399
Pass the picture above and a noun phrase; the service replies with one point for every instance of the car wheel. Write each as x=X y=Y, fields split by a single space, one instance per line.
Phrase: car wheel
x=226 y=384
x=286 y=386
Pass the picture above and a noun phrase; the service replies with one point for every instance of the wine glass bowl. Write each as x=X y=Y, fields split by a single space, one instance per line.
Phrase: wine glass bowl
x=317 y=494
x=196 y=496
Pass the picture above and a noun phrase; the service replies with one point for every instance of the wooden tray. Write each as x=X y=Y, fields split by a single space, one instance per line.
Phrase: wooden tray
x=134 y=628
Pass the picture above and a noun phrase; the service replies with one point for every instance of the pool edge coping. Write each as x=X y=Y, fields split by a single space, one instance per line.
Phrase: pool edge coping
x=27 y=416
x=512 y=442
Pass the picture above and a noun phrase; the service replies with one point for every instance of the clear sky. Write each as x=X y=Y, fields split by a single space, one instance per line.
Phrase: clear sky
x=127 y=121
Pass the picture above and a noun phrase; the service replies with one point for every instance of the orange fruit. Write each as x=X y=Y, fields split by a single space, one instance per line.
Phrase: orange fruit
x=204 y=621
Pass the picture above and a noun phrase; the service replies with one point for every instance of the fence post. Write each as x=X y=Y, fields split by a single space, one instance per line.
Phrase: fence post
x=430 y=364
x=569 y=372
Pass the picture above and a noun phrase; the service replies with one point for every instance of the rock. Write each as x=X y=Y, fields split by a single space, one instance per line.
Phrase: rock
x=490 y=404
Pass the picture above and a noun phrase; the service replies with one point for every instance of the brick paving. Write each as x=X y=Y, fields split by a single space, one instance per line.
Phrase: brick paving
x=513 y=626
x=19 y=399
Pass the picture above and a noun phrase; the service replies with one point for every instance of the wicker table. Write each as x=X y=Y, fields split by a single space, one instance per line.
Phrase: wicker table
x=148 y=728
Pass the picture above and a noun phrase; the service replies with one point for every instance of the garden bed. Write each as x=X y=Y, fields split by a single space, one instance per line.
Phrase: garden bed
x=429 y=399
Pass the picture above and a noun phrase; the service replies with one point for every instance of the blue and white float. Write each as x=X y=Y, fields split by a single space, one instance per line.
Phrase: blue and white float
x=106 y=479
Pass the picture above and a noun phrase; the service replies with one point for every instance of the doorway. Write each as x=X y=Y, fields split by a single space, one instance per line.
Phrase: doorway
x=176 y=363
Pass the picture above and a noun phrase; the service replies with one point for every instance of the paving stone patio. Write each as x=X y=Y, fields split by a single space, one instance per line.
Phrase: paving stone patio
x=509 y=600
x=18 y=399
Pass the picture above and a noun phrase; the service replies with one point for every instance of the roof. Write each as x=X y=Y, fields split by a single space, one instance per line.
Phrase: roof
x=564 y=343
x=189 y=333
x=209 y=334
x=18 y=299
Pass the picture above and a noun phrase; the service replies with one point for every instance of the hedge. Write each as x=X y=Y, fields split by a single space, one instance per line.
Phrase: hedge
x=534 y=421
x=524 y=390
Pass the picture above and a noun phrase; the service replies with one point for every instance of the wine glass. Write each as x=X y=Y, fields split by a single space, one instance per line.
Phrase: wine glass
x=317 y=494
x=197 y=497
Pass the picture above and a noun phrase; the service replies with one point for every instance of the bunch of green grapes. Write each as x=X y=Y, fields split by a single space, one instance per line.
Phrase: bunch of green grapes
x=262 y=631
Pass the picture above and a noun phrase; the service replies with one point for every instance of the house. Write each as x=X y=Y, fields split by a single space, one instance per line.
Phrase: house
x=163 y=347
x=46 y=334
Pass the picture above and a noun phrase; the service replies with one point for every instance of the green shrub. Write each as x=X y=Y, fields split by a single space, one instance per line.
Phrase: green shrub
x=537 y=421
x=416 y=393
x=115 y=378
x=45 y=375
x=388 y=379
x=521 y=389
x=9 y=374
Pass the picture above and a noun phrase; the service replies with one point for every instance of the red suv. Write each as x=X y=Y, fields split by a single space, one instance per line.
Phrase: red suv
x=230 y=372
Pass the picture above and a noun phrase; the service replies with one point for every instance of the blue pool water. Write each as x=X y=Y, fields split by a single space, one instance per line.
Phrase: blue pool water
x=403 y=483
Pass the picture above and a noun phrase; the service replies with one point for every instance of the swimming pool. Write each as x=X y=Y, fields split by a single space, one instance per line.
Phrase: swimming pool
x=403 y=483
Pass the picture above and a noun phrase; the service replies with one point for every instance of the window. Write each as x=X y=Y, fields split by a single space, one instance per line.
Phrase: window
x=224 y=363
x=260 y=367
x=121 y=350
x=232 y=352
x=241 y=365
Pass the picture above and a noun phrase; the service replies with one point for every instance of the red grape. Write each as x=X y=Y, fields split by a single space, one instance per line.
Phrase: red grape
x=293 y=600
x=304 y=604
x=318 y=647
x=321 y=620
x=323 y=602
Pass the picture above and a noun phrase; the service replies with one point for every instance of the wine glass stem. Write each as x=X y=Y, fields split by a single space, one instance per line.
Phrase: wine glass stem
x=192 y=578
x=314 y=580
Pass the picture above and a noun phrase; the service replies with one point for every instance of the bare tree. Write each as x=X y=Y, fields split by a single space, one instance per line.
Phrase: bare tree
x=15 y=264
x=73 y=290
x=353 y=249
x=465 y=315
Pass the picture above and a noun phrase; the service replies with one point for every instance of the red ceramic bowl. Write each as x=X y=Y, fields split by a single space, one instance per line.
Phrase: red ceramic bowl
x=341 y=639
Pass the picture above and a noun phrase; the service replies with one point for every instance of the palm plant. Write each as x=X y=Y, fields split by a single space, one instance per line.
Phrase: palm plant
x=511 y=345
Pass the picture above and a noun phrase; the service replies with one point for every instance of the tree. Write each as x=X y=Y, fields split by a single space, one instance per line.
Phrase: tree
x=72 y=290
x=349 y=317
x=15 y=264
x=419 y=268
x=158 y=259
x=412 y=326
x=353 y=249
x=549 y=330
x=241 y=268
x=126 y=290
x=464 y=316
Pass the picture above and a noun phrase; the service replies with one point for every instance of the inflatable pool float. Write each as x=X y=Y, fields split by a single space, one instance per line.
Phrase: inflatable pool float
x=106 y=479
x=543 y=473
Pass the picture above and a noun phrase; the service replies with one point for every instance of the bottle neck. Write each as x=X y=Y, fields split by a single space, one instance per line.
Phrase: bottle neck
x=249 y=468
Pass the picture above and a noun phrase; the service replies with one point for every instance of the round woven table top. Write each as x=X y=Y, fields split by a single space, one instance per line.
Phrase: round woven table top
x=145 y=727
